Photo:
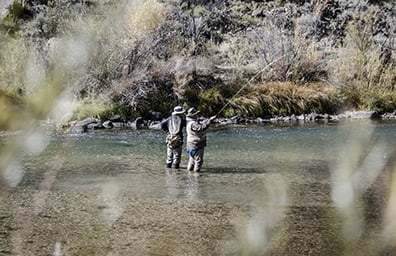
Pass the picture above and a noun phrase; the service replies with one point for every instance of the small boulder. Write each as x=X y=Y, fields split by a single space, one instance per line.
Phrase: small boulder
x=108 y=124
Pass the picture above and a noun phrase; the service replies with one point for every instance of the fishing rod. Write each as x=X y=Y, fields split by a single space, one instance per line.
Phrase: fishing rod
x=248 y=82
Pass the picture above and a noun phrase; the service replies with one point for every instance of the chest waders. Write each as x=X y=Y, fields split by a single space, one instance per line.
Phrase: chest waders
x=174 y=142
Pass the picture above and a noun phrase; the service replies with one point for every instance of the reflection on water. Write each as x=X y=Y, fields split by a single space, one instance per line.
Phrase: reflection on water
x=181 y=184
x=192 y=187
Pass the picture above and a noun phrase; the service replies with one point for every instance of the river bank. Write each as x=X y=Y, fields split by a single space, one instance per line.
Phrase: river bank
x=80 y=126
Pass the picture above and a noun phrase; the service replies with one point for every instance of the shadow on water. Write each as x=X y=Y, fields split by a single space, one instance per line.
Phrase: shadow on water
x=219 y=170
x=33 y=177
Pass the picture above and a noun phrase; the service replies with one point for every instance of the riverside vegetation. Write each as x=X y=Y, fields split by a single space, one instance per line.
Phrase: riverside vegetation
x=273 y=58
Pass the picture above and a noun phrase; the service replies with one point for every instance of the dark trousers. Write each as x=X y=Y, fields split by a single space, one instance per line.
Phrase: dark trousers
x=173 y=156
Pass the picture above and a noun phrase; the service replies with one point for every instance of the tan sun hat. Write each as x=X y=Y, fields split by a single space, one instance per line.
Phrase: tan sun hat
x=178 y=110
x=193 y=112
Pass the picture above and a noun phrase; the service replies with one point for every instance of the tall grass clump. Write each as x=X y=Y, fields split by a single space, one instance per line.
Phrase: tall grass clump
x=114 y=33
x=279 y=99
x=365 y=64
x=13 y=53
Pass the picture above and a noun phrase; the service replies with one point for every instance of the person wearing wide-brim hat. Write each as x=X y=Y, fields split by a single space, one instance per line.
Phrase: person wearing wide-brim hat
x=174 y=125
x=196 y=139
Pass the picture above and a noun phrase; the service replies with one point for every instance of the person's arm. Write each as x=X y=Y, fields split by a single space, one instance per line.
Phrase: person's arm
x=209 y=120
x=198 y=127
x=212 y=118
x=164 y=125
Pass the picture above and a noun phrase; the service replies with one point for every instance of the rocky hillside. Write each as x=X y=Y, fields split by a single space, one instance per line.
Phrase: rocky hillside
x=250 y=58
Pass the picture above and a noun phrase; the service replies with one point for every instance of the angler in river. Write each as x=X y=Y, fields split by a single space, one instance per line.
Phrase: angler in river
x=174 y=125
x=196 y=139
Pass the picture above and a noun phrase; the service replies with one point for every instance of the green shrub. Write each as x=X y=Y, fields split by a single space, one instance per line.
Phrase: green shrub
x=211 y=101
x=98 y=110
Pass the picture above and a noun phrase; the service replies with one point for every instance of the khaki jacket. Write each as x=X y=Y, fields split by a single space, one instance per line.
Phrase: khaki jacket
x=196 y=135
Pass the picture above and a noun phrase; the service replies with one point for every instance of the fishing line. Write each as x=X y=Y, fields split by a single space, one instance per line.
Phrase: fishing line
x=248 y=83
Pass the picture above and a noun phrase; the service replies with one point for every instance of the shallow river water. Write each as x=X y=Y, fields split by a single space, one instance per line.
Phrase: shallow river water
x=292 y=167
x=237 y=159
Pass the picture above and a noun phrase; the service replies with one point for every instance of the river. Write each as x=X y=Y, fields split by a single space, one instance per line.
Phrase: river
x=237 y=159
x=292 y=168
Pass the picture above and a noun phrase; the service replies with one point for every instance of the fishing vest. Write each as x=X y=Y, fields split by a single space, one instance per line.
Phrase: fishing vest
x=174 y=124
x=175 y=137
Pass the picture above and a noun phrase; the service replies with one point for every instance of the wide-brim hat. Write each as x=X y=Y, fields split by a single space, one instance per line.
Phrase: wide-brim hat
x=193 y=112
x=178 y=110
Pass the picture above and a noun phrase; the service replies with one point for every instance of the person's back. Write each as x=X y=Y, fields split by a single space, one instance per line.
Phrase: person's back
x=196 y=139
x=196 y=133
x=174 y=125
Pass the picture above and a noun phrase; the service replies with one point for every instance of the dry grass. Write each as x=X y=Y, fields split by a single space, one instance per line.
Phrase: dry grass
x=13 y=54
x=284 y=99
x=131 y=44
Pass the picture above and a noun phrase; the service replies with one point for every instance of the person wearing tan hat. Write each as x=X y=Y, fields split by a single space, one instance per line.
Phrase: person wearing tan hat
x=174 y=125
x=196 y=139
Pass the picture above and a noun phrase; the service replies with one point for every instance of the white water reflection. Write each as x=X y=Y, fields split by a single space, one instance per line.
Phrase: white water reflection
x=171 y=184
x=270 y=212
x=192 y=189
x=57 y=250
x=111 y=210
x=181 y=184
